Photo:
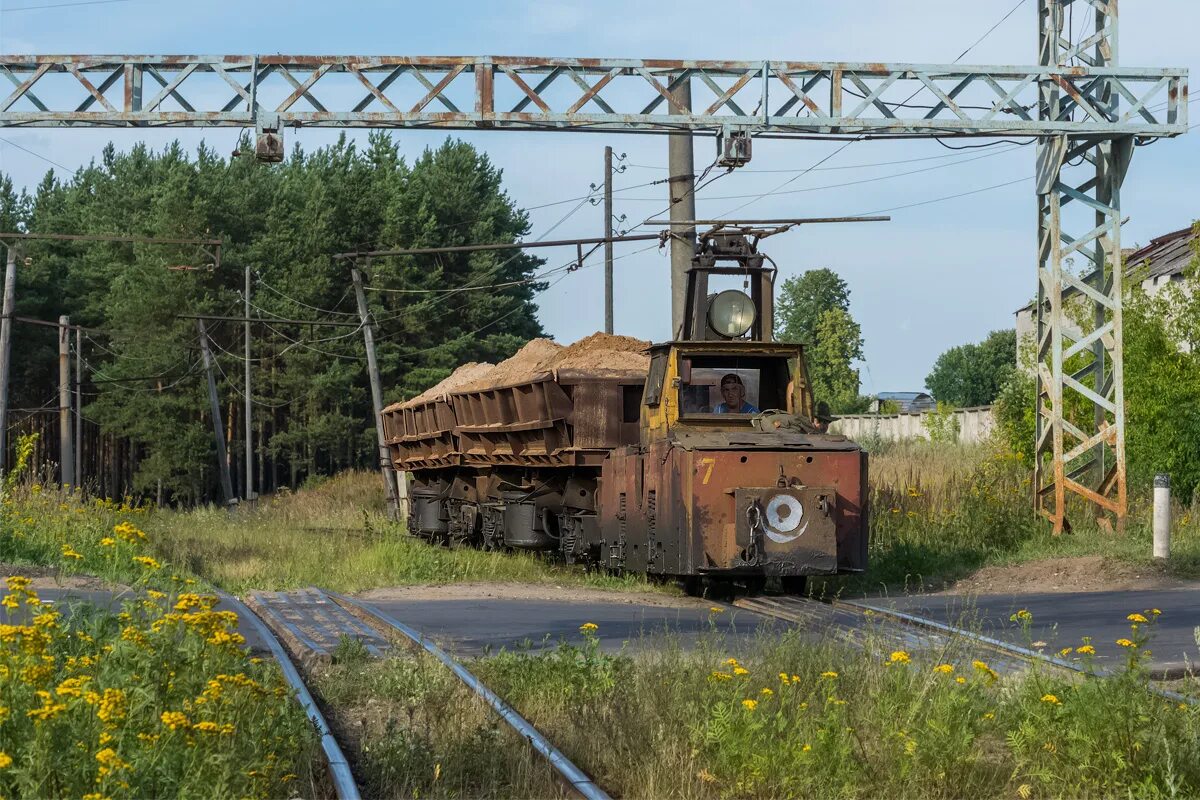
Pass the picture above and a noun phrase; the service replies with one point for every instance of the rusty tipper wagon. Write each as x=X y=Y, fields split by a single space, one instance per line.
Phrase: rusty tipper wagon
x=700 y=459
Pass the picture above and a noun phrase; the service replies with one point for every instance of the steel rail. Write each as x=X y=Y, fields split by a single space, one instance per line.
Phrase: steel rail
x=339 y=767
x=572 y=774
x=998 y=645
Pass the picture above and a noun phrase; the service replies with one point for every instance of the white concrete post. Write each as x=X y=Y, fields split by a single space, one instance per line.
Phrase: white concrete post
x=1162 y=516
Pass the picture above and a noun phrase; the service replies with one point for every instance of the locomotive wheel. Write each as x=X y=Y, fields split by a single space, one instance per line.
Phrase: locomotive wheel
x=793 y=584
x=755 y=584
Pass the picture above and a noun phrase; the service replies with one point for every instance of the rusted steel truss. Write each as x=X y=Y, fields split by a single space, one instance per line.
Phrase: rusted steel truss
x=1080 y=448
x=630 y=95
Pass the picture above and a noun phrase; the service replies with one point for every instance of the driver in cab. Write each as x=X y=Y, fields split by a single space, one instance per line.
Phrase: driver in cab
x=734 y=393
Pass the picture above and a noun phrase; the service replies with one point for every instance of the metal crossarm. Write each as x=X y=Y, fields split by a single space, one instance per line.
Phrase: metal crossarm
x=628 y=95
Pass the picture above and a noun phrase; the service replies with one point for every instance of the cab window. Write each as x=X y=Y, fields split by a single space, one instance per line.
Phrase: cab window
x=732 y=385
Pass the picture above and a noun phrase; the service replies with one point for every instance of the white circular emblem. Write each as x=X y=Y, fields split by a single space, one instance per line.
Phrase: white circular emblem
x=784 y=515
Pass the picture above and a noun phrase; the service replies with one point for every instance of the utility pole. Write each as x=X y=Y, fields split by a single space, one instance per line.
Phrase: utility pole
x=608 y=245
x=218 y=428
x=682 y=185
x=385 y=459
x=6 y=323
x=66 y=450
x=249 y=440
x=79 y=407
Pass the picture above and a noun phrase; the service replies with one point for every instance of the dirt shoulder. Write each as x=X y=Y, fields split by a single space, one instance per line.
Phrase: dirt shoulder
x=523 y=591
x=49 y=577
x=1073 y=574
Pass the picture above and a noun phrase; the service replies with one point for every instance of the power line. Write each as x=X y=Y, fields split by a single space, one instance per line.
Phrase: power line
x=302 y=304
x=949 y=196
x=36 y=154
x=856 y=182
x=63 y=5
x=861 y=135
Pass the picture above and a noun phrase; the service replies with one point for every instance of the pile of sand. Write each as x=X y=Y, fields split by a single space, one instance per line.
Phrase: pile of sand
x=471 y=371
x=535 y=358
x=605 y=353
x=600 y=354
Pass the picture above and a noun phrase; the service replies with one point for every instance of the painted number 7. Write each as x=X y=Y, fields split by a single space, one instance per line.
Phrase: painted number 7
x=708 y=472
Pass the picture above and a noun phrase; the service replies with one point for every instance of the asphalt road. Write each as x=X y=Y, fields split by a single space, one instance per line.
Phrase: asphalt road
x=479 y=627
x=1062 y=620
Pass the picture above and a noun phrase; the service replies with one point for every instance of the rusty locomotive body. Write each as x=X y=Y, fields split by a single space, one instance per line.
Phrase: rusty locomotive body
x=647 y=470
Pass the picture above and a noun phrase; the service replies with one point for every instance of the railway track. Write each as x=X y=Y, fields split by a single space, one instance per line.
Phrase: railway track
x=570 y=774
x=312 y=622
x=339 y=767
x=859 y=623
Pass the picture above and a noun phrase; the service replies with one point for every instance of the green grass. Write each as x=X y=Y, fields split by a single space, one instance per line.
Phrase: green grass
x=771 y=715
x=334 y=535
x=337 y=536
x=412 y=729
x=787 y=717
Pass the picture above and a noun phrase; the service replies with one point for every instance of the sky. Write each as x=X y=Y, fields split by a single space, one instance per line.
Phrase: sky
x=938 y=275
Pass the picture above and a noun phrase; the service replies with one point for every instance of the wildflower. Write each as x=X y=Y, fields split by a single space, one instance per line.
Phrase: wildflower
x=720 y=676
x=795 y=679
x=1155 y=611
x=206 y=726
x=1126 y=643
x=829 y=674
x=147 y=562
x=1051 y=699
x=94 y=796
x=174 y=719
x=69 y=552
x=899 y=657
x=1021 y=616
x=716 y=610
x=730 y=662
x=895 y=511
x=1136 y=618
x=1086 y=650
x=989 y=715
x=71 y=687
x=5 y=760
x=1066 y=651
x=766 y=692
x=17 y=583
x=784 y=679
x=11 y=602
x=960 y=679
x=945 y=669
x=110 y=761
x=108 y=541
x=155 y=595
x=749 y=705
x=588 y=627
x=806 y=748
x=740 y=670
x=112 y=706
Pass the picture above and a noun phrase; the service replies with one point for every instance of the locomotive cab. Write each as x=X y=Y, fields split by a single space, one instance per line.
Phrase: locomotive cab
x=734 y=478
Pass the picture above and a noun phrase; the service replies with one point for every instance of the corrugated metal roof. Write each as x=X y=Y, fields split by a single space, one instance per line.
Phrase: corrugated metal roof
x=1166 y=255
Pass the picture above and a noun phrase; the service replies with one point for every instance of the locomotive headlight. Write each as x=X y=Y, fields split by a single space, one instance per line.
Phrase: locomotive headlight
x=731 y=313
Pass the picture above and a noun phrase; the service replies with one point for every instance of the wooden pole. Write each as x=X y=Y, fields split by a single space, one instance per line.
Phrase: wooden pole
x=6 y=323
x=218 y=433
x=66 y=450
x=79 y=407
x=385 y=459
